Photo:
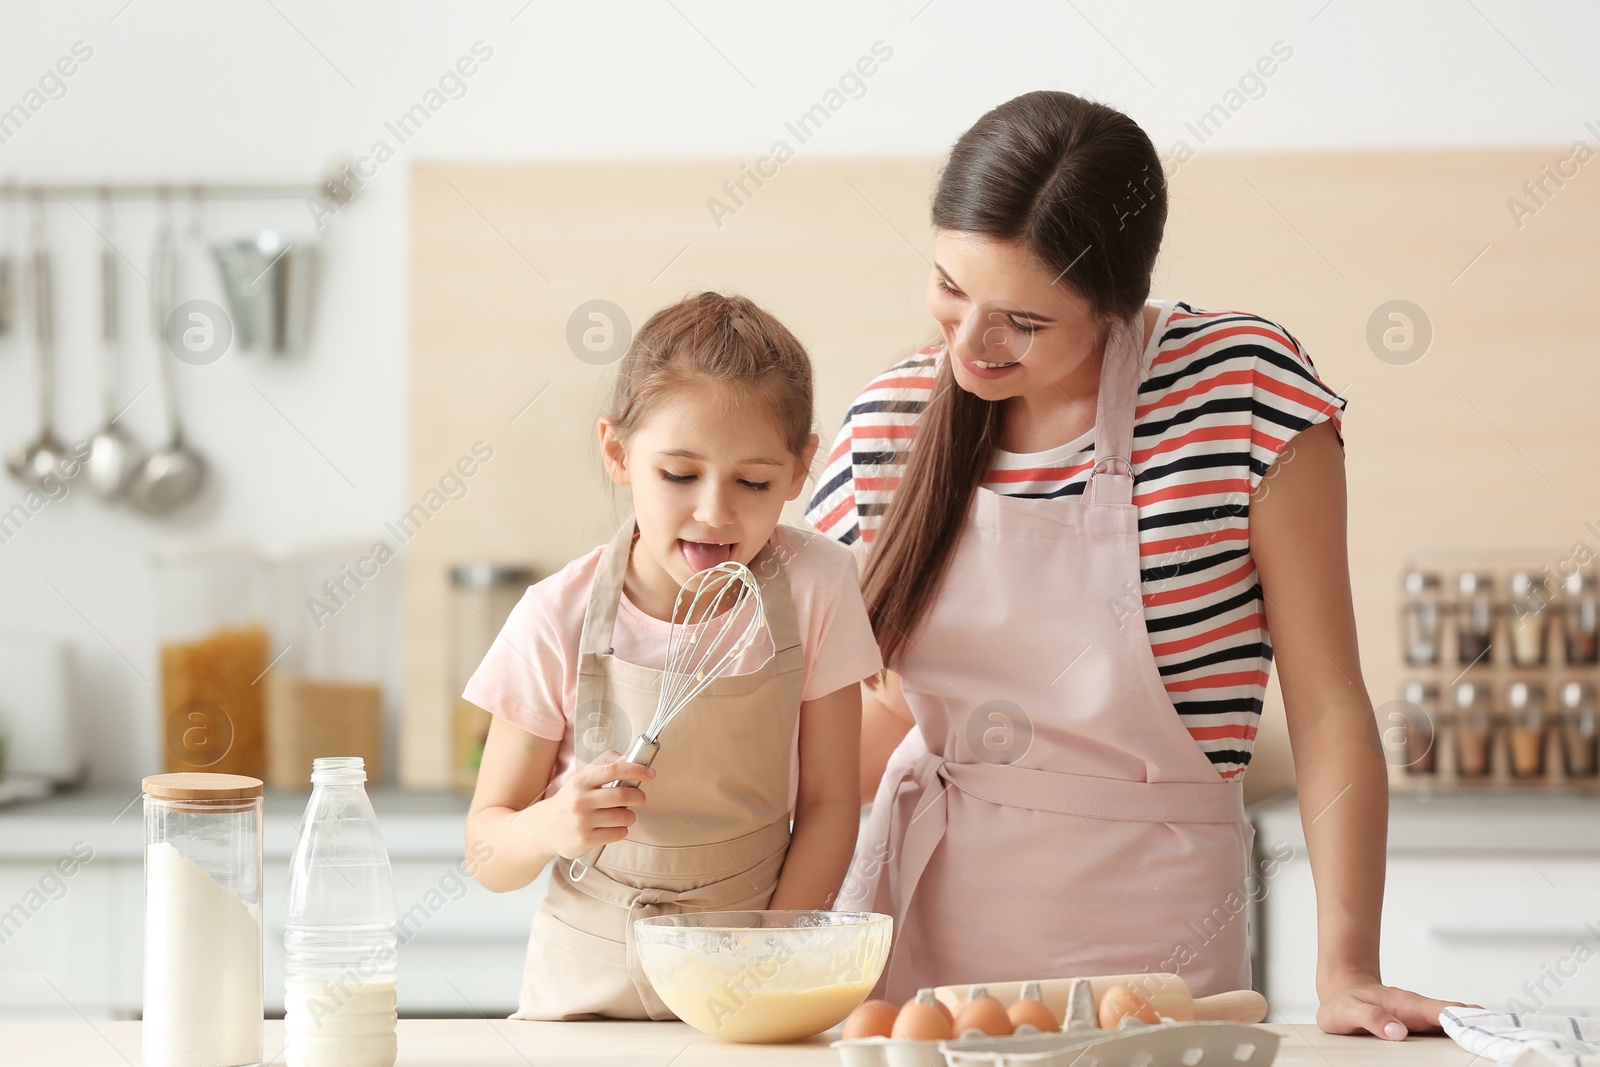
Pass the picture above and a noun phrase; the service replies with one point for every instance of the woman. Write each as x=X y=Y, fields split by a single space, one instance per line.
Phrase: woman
x=1086 y=543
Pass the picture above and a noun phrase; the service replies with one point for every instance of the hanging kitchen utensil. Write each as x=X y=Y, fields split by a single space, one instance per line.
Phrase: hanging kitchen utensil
x=114 y=456
x=41 y=460
x=270 y=285
x=703 y=644
x=8 y=272
x=170 y=476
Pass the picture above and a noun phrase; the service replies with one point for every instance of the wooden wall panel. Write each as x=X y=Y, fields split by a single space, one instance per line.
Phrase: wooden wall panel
x=1489 y=440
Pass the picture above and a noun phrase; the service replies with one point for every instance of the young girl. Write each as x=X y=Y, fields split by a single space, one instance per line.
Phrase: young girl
x=710 y=426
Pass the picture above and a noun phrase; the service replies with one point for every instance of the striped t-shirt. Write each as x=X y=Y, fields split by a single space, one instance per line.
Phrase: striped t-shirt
x=1221 y=393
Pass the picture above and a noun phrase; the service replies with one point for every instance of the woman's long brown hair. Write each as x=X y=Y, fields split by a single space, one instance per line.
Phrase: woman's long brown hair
x=1082 y=187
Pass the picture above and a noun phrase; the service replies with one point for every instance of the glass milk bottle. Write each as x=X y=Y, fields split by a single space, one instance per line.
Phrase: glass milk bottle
x=202 y=920
x=339 y=940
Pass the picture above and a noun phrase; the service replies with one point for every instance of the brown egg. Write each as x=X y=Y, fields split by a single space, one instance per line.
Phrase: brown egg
x=875 y=1018
x=1031 y=1012
x=922 y=1019
x=1119 y=1003
x=983 y=1013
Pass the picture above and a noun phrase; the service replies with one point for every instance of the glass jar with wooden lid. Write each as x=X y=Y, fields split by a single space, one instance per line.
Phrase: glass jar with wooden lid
x=202 y=928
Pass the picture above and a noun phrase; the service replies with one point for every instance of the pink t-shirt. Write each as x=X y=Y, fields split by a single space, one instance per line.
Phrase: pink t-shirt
x=530 y=675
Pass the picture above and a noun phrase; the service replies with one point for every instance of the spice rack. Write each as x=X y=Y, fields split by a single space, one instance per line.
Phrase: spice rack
x=1501 y=659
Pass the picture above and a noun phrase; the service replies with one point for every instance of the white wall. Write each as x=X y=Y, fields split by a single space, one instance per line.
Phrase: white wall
x=254 y=91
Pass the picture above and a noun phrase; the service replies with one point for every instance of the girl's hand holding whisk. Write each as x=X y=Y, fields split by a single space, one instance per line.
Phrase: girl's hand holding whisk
x=586 y=812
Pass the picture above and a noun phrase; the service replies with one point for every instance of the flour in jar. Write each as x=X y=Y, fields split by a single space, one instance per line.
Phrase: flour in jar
x=202 y=967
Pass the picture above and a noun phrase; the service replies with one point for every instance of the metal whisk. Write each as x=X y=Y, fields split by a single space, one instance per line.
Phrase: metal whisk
x=703 y=644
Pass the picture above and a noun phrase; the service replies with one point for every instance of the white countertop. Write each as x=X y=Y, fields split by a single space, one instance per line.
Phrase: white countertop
x=503 y=1043
x=1456 y=820
x=415 y=824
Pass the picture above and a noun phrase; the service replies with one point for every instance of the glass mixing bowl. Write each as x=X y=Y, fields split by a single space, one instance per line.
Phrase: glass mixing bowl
x=763 y=976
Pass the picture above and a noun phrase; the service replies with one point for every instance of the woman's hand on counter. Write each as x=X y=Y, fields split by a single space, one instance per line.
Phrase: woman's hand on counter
x=1363 y=1004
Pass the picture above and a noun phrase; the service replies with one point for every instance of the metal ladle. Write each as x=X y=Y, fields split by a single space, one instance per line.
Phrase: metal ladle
x=114 y=456
x=8 y=275
x=44 y=458
x=173 y=475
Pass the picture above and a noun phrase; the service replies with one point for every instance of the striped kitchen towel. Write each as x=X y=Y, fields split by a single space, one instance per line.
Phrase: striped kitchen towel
x=1512 y=1039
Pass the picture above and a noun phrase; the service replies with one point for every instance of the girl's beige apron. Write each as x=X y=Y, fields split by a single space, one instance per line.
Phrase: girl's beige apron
x=714 y=830
x=1050 y=816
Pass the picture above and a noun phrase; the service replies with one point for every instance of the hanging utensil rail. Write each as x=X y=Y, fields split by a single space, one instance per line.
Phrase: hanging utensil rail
x=341 y=184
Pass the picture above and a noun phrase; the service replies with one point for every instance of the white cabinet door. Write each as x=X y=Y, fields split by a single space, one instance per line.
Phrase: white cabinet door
x=461 y=952
x=1287 y=926
x=1485 y=929
x=461 y=945
x=1490 y=931
x=464 y=945
x=57 y=959
x=127 y=937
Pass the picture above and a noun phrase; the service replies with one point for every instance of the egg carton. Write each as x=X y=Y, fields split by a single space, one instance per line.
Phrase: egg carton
x=1080 y=1043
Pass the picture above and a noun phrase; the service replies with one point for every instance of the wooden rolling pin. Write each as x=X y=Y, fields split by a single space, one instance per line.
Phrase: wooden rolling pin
x=1167 y=993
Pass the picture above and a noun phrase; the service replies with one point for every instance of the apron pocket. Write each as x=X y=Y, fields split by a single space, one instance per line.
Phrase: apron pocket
x=557 y=934
x=572 y=974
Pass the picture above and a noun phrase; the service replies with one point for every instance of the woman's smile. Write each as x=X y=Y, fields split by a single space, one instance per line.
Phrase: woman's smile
x=990 y=371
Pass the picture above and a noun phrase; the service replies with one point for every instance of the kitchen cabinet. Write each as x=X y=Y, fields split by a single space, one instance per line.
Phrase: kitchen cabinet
x=1491 y=897
x=58 y=940
x=72 y=945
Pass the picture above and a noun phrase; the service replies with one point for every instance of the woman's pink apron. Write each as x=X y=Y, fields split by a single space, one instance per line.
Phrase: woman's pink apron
x=1051 y=816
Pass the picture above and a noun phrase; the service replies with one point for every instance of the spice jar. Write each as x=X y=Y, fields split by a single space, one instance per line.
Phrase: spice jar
x=1420 y=617
x=1421 y=712
x=1527 y=619
x=485 y=593
x=1474 y=729
x=1581 y=617
x=1578 y=729
x=202 y=920
x=1474 y=617
x=1525 y=718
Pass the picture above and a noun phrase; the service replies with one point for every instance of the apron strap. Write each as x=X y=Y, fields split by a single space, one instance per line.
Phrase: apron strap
x=1111 y=480
x=1091 y=797
x=601 y=618
x=783 y=623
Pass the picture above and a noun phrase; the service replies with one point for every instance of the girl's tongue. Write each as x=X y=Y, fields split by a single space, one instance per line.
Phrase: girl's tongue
x=702 y=554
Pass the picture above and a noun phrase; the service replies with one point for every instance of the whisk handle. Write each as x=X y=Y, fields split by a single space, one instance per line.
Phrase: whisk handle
x=643 y=752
